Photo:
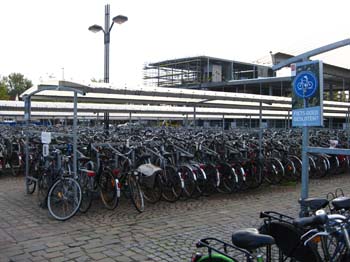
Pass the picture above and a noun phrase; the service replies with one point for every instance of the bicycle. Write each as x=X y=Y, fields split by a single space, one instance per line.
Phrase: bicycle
x=99 y=179
x=64 y=196
x=247 y=242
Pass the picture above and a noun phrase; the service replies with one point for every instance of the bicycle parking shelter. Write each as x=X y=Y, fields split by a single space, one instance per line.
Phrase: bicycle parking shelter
x=27 y=116
x=193 y=98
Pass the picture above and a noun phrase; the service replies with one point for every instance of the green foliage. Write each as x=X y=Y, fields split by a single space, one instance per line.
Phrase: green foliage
x=13 y=85
x=342 y=96
x=94 y=80
x=3 y=91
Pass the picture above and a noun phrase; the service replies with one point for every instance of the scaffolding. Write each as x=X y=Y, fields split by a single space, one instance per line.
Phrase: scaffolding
x=194 y=71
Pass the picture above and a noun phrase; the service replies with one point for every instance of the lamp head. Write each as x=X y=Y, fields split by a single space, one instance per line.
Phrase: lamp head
x=95 y=28
x=119 y=19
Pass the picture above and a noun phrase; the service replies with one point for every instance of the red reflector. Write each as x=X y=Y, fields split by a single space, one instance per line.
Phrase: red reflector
x=91 y=173
x=202 y=166
x=116 y=172
x=119 y=185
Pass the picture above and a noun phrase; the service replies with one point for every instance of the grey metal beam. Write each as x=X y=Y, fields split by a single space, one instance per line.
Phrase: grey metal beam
x=307 y=55
x=329 y=151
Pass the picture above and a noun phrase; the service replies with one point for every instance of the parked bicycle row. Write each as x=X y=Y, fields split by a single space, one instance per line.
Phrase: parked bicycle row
x=321 y=235
x=170 y=164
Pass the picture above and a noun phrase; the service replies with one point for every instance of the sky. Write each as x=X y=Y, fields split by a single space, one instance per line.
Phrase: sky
x=50 y=38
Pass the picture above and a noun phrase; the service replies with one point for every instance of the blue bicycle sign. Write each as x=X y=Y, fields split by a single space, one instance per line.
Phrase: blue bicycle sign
x=305 y=84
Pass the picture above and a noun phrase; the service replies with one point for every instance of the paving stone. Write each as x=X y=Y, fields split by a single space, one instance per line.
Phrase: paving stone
x=164 y=232
x=82 y=258
x=53 y=255
x=54 y=244
x=74 y=255
x=57 y=248
x=108 y=259
x=97 y=256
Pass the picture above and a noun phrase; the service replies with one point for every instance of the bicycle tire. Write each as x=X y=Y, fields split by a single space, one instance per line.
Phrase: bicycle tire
x=44 y=183
x=154 y=194
x=108 y=192
x=64 y=194
x=269 y=172
x=290 y=170
x=188 y=180
x=213 y=178
x=253 y=175
x=30 y=186
x=279 y=175
x=298 y=166
x=136 y=193
x=86 y=199
x=168 y=191
x=229 y=180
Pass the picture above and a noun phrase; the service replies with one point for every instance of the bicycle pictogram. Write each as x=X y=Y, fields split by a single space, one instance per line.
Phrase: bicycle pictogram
x=305 y=84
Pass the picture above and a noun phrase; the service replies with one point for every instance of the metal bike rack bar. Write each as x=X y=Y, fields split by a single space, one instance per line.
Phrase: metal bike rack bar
x=27 y=117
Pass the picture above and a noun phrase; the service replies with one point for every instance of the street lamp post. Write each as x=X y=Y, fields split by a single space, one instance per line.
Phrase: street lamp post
x=106 y=31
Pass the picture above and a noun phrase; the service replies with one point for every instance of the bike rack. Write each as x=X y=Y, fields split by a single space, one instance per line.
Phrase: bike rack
x=27 y=117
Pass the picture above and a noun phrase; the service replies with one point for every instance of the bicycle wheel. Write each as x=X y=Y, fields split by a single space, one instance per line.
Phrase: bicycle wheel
x=64 y=198
x=298 y=166
x=228 y=179
x=34 y=171
x=188 y=180
x=153 y=194
x=30 y=186
x=289 y=169
x=166 y=180
x=136 y=194
x=252 y=175
x=108 y=191
x=279 y=171
x=176 y=182
x=270 y=172
x=202 y=187
x=213 y=178
x=86 y=200
x=44 y=183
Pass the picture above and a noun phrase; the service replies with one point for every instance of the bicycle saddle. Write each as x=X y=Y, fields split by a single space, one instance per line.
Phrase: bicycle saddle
x=314 y=203
x=250 y=239
x=341 y=203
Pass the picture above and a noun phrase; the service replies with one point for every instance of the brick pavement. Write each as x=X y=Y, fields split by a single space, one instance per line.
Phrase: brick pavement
x=164 y=232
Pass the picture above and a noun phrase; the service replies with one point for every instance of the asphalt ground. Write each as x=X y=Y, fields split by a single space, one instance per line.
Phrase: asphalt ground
x=163 y=232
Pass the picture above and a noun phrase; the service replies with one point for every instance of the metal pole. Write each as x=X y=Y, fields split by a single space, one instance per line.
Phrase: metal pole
x=194 y=116
x=305 y=166
x=106 y=45
x=223 y=123
x=27 y=102
x=260 y=128
x=348 y=126
x=186 y=120
x=288 y=119
x=75 y=135
x=305 y=171
x=106 y=56
x=260 y=131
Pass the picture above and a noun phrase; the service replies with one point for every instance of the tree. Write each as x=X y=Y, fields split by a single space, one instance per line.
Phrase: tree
x=18 y=84
x=14 y=84
x=3 y=91
x=94 y=80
